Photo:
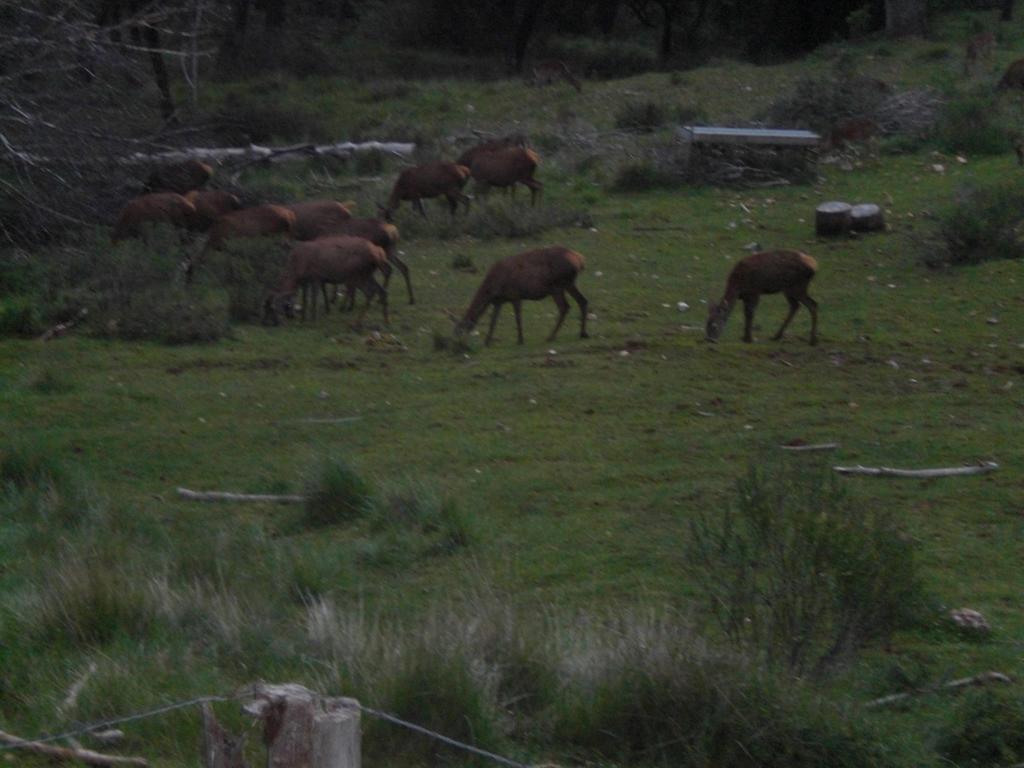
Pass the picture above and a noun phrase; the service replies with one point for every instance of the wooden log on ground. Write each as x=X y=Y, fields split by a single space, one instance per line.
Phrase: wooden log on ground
x=832 y=218
x=867 y=217
x=191 y=495
x=978 y=469
x=953 y=685
x=63 y=753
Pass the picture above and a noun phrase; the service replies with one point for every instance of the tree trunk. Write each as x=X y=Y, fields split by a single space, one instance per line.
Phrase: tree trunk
x=149 y=37
x=668 y=17
x=1006 y=12
x=524 y=31
x=905 y=18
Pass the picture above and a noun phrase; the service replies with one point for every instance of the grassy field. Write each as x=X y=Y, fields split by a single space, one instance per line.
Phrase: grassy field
x=575 y=466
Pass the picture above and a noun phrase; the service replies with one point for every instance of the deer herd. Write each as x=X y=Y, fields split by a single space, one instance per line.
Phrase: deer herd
x=334 y=248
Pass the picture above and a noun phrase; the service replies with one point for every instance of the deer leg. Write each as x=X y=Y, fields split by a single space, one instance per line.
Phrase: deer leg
x=563 y=310
x=794 y=305
x=494 y=322
x=535 y=190
x=418 y=205
x=812 y=307
x=749 y=307
x=404 y=269
x=305 y=294
x=517 y=307
x=582 y=301
x=327 y=301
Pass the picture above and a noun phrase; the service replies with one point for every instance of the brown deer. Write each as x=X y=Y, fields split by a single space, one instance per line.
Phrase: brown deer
x=491 y=145
x=261 y=221
x=210 y=205
x=1013 y=77
x=383 y=235
x=979 y=49
x=179 y=177
x=529 y=276
x=350 y=261
x=317 y=218
x=851 y=130
x=506 y=168
x=157 y=208
x=426 y=181
x=550 y=70
x=788 y=272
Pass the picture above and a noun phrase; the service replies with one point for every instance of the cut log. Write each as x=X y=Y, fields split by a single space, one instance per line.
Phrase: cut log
x=832 y=219
x=185 y=493
x=978 y=469
x=867 y=217
x=63 y=753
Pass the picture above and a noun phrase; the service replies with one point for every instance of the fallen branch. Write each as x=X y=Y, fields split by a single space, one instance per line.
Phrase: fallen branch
x=63 y=753
x=340 y=420
x=952 y=685
x=979 y=469
x=185 y=493
x=813 y=447
x=61 y=328
x=76 y=689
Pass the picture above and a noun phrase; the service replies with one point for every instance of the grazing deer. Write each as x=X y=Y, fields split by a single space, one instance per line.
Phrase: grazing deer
x=426 y=181
x=491 y=145
x=506 y=168
x=317 y=218
x=550 y=70
x=157 y=208
x=350 y=261
x=979 y=48
x=529 y=276
x=261 y=221
x=1013 y=77
x=210 y=205
x=788 y=272
x=851 y=130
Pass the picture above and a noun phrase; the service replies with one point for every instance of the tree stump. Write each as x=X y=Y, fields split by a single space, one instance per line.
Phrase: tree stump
x=867 y=217
x=832 y=218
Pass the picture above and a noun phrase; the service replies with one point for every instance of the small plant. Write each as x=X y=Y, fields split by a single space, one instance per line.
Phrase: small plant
x=983 y=224
x=414 y=508
x=463 y=262
x=641 y=116
x=986 y=728
x=335 y=493
x=798 y=574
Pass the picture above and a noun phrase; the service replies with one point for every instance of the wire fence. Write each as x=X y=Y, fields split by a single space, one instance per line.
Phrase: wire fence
x=145 y=714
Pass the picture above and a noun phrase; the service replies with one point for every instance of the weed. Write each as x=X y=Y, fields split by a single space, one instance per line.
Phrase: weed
x=335 y=493
x=982 y=224
x=798 y=573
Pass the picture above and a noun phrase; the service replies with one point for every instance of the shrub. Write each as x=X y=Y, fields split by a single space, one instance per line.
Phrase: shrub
x=20 y=316
x=602 y=58
x=640 y=116
x=983 y=224
x=644 y=176
x=253 y=117
x=986 y=728
x=247 y=270
x=335 y=493
x=173 y=314
x=414 y=508
x=463 y=262
x=973 y=124
x=798 y=573
x=817 y=103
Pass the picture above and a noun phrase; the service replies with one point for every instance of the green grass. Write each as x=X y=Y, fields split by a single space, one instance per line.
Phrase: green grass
x=576 y=468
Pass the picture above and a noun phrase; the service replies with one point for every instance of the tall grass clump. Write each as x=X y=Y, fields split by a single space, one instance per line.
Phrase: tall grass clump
x=247 y=270
x=335 y=493
x=40 y=494
x=414 y=508
x=985 y=728
x=984 y=223
x=973 y=124
x=642 y=689
x=799 y=575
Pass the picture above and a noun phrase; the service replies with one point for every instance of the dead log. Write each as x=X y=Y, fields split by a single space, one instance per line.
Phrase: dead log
x=953 y=685
x=185 y=493
x=978 y=469
x=832 y=219
x=63 y=753
x=867 y=217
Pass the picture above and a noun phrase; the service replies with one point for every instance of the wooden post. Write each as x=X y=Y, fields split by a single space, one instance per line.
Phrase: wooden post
x=302 y=729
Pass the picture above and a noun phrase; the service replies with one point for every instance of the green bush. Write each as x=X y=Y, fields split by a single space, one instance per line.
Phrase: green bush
x=247 y=270
x=799 y=574
x=973 y=124
x=644 y=176
x=20 y=316
x=982 y=224
x=335 y=493
x=641 y=116
x=173 y=315
x=986 y=728
x=603 y=59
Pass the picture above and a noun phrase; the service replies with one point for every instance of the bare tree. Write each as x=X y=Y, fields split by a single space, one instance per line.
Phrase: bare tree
x=75 y=101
